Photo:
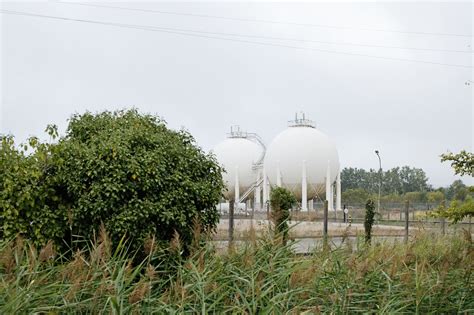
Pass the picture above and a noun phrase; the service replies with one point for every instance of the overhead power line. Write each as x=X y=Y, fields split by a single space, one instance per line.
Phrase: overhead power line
x=267 y=21
x=155 y=29
x=307 y=40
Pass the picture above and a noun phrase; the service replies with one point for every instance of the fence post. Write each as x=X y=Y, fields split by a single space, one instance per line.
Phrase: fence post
x=443 y=226
x=325 y=223
x=231 y=221
x=407 y=205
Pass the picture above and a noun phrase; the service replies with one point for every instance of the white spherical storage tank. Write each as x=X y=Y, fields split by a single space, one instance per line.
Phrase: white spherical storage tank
x=302 y=151
x=238 y=155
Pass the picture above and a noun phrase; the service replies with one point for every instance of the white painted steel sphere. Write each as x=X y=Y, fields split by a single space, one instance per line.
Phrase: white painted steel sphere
x=300 y=145
x=238 y=154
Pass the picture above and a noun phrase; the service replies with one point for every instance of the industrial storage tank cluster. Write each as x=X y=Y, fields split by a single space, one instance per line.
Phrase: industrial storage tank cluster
x=301 y=158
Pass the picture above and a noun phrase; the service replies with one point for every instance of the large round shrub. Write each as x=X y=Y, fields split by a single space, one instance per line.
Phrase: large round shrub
x=131 y=173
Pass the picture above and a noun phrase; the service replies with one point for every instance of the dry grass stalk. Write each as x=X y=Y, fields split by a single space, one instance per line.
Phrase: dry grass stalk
x=141 y=290
x=75 y=267
x=128 y=269
x=106 y=288
x=19 y=247
x=150 y=272
x=197 y=229
x=7 y=259
x=32 y=257
x=175 y=244
x=102 y=251
x=149 y=245
x=75 y=287
x=47 y=253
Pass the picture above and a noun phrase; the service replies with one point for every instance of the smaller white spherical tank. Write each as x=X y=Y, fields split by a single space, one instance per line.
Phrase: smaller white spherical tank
x=298 y=146
x=238 y=155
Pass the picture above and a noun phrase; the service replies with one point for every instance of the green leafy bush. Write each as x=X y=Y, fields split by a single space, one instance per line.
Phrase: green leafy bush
x=369 y=220
x=29 y=203
x=281 y=201
x=122 y=169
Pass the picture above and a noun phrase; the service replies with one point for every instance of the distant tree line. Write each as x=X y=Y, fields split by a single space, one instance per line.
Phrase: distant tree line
x=398 y=184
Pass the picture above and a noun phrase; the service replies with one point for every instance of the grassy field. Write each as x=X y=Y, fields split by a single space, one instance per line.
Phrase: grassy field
x=430 y=274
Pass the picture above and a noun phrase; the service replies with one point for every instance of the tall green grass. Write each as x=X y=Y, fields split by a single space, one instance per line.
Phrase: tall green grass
x=430 y=274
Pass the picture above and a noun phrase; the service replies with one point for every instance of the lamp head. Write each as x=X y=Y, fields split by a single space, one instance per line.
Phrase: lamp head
x=377 y=152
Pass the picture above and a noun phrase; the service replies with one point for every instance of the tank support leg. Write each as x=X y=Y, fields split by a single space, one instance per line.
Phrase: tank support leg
x=304 y=189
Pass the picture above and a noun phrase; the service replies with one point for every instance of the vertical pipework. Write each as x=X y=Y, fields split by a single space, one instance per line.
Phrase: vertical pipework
x=304 y=189
x=338 y=192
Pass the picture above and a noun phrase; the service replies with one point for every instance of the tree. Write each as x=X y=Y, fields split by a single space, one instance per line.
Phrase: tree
x=355 y=196
x=416 y=196
x=369 y=220
x=457 y=210
x=30 y=204
x=457 y=191
x=413 y=179
x=123 y=169
x=394 y=181
x=462 y=163
x=435 y=197
x=391 y=181
x=281 y=201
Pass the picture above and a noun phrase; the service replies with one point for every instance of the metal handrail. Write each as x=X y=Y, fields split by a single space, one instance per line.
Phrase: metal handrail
x=249 y=191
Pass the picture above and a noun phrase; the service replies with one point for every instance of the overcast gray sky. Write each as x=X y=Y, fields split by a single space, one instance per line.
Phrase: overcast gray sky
x=411 y=111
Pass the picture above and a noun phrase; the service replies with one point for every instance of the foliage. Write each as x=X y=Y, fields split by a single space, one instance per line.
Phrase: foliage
x=463 y=198
x=394 y=181
x=355 y=196
x=456 y=211
x=457 y=191
x=416 y=196
x=428 y=275
x=369 y=220
x=435 y=197
x=123 y=169
x=391 y=198
x=30 y=204
x=281 y=201
x=462 y=162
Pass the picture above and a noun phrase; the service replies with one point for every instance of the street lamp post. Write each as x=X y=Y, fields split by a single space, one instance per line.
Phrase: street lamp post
x=380 y=179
